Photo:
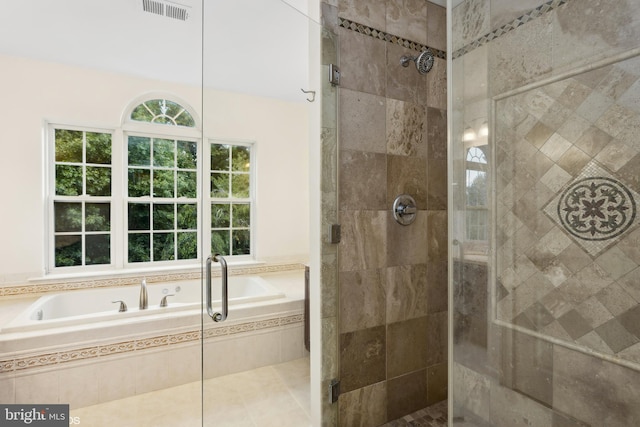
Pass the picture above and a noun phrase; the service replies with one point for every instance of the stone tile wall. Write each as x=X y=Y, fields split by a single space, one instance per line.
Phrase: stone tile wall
x=392 y=279
x=557 y=81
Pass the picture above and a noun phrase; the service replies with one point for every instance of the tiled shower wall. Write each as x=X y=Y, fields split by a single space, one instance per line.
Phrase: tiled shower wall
x=546 y=332
x=391 y=316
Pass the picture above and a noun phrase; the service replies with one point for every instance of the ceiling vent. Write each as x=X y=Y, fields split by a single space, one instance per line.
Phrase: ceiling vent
x=165 y=8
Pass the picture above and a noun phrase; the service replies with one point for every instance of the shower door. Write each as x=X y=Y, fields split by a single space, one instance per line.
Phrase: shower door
x=257 y=109
x=544 y=296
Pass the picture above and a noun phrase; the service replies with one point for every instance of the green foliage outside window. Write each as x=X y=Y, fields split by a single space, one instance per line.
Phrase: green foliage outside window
x=82 y=170
x=231 y=205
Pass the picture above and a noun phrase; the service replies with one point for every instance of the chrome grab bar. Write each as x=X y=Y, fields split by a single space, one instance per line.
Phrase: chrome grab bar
x=217 y=317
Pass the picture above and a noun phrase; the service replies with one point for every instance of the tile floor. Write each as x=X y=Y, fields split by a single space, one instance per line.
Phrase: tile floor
x=276 y=395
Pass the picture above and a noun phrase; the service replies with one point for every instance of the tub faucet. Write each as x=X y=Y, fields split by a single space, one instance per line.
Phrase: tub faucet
x=144 y=297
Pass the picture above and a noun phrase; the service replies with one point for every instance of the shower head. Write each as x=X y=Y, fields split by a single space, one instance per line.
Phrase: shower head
x=424 y=61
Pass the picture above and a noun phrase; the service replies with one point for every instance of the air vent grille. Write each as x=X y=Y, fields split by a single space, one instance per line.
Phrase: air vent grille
x=165 y=9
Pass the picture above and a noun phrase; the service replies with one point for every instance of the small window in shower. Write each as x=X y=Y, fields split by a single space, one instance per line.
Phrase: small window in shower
x=476 y=218
x=82 y=197
x=231 y=198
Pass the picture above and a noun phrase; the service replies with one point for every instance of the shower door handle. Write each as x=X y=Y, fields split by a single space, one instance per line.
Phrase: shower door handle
x=217 y=317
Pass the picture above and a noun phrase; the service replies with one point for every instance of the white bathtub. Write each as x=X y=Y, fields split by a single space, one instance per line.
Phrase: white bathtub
x=86 y=307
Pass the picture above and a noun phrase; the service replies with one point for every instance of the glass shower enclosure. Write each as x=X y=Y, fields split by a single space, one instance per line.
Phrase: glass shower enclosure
x=544 y=161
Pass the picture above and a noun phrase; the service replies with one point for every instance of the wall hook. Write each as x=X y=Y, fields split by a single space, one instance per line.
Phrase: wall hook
x=313 y=94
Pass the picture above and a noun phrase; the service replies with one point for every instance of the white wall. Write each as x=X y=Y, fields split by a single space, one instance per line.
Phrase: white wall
x=33 y=92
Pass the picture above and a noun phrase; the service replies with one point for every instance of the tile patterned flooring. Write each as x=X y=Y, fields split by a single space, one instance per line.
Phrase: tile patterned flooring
x=276 y=395
x=433 y=416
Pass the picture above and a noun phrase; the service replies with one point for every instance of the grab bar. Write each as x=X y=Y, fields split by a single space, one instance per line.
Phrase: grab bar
x=217 y=317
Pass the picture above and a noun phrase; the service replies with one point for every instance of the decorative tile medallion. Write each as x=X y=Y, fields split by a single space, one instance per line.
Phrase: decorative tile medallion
x=595 y=209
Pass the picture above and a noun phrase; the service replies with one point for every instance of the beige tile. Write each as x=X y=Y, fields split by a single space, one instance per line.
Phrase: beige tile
x=408 y=244
x=371 y=13
x=37 y=388
x=406 y=128
x=362 y=121
x=407 y=346
x=407 y=175
x=363 y=178
x=512 y=409
x=364 y=240
x=584 y=33
x=437 y=85
x=362 y=62
x=408 y=19
x=406 y=394
x=363 y=358
x=406 y=292
x=362 y=299
x=80 y=386
x=365 y=406
x=7 y=389
x=436 y=26
x=472 y=18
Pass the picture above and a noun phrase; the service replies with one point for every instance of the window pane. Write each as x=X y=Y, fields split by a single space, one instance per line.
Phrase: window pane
x=163 y=184
x=187 y=245
x=220 y=242
x=187 y=217
x=98 y=249
x=163 y=120
x=187 y=184
x=163 y=218
x=97 y=217
x=139 y=248
x=68 y=145
x=187 y=155
x=219 y=185
x=68 y=251
x=241 y=215
x=142 y=114
x=67 y=217
x=241 y=242
x=220 y=215
x=240 y=159
x=139 y=151
x=163 y=249
x=99 y=148
x=98 y=181
x=163 y=153
x=185 y=119
x=139 y=182
x=68 y=180
x=240 y=185
x=139 y=218
x=219 y=157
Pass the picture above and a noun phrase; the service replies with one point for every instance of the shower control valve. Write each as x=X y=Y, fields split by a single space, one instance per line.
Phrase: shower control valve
x=404 y=209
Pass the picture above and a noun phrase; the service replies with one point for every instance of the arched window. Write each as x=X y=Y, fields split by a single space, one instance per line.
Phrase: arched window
x=476 y=194
x=160 y=158
x=162 y=111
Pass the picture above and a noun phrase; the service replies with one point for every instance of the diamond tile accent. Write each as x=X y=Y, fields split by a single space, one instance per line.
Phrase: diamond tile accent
x=594 y=209
x=393 y=39
x=521 y=20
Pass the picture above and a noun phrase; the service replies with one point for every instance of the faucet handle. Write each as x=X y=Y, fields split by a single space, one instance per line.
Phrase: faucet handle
x=123 y=306
x=163 y=301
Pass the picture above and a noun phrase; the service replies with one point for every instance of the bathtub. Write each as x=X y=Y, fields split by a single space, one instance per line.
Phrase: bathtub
x=95 y=306
x=80 y=334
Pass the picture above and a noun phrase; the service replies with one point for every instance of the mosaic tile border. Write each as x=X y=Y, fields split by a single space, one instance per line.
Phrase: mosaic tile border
x=117 y=348
x=521 y=20
x=390 y=38
x=62 y=286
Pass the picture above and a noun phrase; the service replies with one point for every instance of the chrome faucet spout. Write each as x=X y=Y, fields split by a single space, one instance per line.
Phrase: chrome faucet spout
x=144 y=296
